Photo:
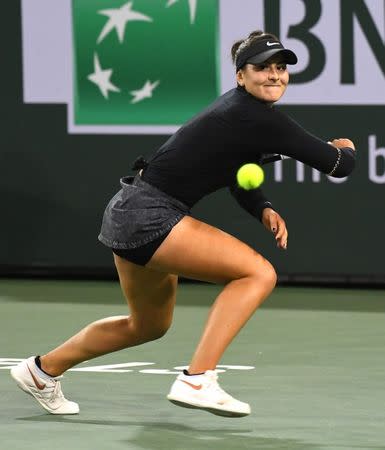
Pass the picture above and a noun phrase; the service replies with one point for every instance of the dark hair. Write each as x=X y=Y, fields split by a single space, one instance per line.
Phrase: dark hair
x=252 y=37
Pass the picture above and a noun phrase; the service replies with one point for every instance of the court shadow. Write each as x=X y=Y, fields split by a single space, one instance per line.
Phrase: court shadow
x=175 y=427
x=171 y=435
x=140 y=423
x=160 y=436
x=153 y=435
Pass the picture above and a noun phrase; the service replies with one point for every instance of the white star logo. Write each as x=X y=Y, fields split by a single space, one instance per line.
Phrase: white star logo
x=192 y=6
x=145 y=92
x=118 y=19
x=102 y=78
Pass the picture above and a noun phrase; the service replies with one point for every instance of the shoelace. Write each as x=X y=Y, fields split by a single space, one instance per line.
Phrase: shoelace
x=53 y=390
x=57 y=392
x=213 y=384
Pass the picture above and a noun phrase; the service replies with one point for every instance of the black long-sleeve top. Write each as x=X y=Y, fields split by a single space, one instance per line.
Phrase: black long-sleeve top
x=205 y=153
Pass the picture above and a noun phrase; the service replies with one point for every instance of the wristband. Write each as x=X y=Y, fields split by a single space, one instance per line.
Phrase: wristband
x=337 y=162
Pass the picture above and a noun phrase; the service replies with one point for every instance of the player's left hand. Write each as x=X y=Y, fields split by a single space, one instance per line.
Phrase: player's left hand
x=274 y=223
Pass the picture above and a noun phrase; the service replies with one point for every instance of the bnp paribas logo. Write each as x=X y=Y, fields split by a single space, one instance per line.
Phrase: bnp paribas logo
x=143 y=63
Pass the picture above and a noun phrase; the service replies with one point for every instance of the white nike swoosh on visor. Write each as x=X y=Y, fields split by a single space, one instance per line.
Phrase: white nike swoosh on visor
x=269 y=44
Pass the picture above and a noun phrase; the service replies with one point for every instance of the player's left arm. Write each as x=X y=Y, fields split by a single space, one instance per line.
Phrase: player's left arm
x=256 y=204
x=274 y=222
x=252 y=201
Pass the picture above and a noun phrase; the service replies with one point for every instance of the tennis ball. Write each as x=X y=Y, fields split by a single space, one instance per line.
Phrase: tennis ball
x=250 y=176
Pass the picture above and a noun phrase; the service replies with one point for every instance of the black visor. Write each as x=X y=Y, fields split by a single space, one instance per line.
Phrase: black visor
x=263 y=49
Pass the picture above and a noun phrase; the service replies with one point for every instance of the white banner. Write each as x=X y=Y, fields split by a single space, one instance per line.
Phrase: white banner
x=352 y=73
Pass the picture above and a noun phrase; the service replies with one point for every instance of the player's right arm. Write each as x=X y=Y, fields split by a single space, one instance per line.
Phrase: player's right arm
x=337 y=159
x=275 y=132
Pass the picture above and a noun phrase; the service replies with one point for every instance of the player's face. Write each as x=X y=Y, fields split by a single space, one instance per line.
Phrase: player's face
x=266 y=81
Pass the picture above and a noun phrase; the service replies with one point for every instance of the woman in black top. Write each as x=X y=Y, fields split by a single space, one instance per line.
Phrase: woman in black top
x=154 y=238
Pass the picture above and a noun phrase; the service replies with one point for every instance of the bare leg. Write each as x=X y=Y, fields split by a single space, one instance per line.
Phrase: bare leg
x=210 y=254
x=194 y=250
x=151 y=299
x=230 y=312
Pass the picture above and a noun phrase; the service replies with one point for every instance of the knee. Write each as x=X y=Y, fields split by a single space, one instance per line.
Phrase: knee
x=146 y=332
x=156 y=332
x=265 y=273
x=270 y=275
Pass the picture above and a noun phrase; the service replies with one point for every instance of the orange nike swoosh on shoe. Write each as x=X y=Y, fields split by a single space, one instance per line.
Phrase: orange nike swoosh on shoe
x=194 y=386
x=38 y=385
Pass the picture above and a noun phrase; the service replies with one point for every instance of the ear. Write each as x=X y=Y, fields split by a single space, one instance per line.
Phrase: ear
x=240 y=79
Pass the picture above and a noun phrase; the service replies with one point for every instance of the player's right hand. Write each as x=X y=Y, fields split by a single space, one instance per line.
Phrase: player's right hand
x=342 y=142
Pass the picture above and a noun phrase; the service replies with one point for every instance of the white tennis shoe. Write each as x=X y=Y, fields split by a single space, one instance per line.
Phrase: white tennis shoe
x=47 y=391
x=204 y=392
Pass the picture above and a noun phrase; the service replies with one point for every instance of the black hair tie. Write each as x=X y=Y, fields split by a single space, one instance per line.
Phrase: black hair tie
x=139 y=163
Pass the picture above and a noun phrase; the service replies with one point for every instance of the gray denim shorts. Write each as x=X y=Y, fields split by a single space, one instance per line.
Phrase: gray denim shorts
x=139 y=214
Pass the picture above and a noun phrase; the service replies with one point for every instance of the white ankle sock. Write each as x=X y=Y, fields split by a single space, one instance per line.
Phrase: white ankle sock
x=40 y=372
x=194 y=376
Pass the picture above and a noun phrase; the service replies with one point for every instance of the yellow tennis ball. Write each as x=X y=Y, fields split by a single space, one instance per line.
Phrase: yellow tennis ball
x=250 y=176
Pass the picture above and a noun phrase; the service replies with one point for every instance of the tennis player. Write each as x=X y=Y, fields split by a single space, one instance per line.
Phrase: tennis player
x=154 y=238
